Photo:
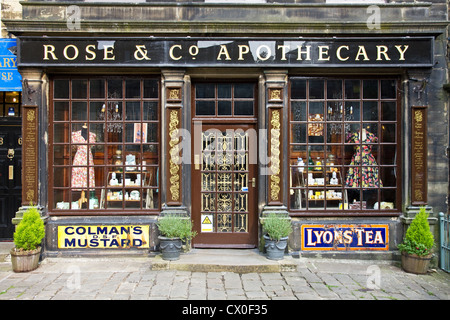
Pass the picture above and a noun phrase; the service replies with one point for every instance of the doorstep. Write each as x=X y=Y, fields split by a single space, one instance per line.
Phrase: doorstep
x=229 y=260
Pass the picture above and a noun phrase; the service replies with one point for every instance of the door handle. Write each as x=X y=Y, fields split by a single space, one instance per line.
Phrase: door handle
x=197 y=162
x=253 y=182
x=10 y=154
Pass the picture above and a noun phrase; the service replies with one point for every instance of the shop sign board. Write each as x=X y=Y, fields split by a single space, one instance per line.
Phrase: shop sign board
x=103 y=236
x=227 y=52
x=10 y=79
x=345 y=237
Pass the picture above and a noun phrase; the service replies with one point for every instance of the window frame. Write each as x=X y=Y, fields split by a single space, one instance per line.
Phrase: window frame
x=398 y=143
x=106 y=166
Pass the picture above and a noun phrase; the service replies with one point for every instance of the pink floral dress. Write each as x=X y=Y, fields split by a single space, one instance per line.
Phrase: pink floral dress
x=80 y=162
x=367 y=175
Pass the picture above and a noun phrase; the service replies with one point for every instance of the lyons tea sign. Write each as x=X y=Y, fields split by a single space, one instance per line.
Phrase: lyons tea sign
x=345 y=237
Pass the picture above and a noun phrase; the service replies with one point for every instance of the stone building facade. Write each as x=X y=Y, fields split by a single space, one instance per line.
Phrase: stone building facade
x=333 y=113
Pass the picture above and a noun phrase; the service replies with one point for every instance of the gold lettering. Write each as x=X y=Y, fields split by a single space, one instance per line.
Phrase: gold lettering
x=361 y=51
x=323 y=50
x=307 y=52
x=283 y=51
x=193 y=51
x=402 y=52
x=108 y=50
x=49 y=49
x=6 y=63
x=267 y=53
x=223 y=51
x=75 y=51
x=338 y=53
x=382 y=50
x=171 y=52
x=90 y=52
x=243 y=49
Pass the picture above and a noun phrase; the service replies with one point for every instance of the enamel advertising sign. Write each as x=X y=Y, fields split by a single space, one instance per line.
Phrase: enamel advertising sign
x=345 y=237
x=103 y=237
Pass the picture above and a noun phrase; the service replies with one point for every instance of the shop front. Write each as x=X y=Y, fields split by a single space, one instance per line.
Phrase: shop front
x=225 y=129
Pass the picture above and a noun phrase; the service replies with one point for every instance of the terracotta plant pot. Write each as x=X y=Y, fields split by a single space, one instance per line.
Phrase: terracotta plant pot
x=413 y=263
x=24 y=261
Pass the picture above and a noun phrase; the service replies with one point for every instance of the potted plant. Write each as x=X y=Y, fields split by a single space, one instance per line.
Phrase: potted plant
x=27 y=239
x=174 y=230
x=417 y=244
x=277 y=228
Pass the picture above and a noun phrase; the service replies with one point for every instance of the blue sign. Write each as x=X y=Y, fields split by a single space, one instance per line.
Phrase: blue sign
x=10 y=78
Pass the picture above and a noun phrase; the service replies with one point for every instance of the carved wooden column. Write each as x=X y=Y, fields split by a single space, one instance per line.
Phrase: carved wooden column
x=276 y=85
x=34 y=144
x=173 y=91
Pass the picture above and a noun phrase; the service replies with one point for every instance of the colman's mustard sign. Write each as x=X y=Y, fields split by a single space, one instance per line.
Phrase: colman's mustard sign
x=103 y=237
x=345 y=237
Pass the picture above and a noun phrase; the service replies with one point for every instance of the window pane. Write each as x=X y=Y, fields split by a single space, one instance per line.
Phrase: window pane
x=334 y=89
x=59 y=155
x=388 y=89
x=388 y=132
x=204 y=90
x=61 y=132
x=61 y=111
x=150 y=110
x=352 y=89
x=97 y=111
x=243 y=108
x=299 y=133
x=79 y=89
x=298 y=89
x=243 y=90
x=114 y=89
x=205 y=108
x=133 y=89
x=224 y=108
x=298 y=109
x=133 y=110
x=61 y=89
x=316 y=89
x=370 y=110
x=151 y=89
x=388 y=111
x=224 y=91
x=97 y=88
x=79 y=111
x=370 y=89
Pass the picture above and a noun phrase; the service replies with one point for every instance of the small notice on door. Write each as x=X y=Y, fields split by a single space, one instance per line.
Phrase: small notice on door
x=207 y=223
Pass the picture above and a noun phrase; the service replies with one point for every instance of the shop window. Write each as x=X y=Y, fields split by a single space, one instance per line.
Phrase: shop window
x=344 y=146
x=224 y=99
x=104 y=144
x=10 y=104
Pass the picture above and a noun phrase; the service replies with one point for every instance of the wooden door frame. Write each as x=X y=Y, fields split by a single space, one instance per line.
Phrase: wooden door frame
x=218 y=239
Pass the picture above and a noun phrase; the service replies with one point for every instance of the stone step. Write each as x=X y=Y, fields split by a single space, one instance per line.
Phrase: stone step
x=229 y=260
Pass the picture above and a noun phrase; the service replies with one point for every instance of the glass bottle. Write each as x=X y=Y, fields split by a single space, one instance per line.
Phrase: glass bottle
x=310 y=160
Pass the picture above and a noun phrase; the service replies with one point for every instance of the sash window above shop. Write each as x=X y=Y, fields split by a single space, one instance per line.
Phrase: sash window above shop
x=104 y=144
x=344 y=146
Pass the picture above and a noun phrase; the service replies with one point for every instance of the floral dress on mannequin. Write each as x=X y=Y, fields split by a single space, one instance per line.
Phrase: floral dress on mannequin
x=365 y=173
x=80 y=161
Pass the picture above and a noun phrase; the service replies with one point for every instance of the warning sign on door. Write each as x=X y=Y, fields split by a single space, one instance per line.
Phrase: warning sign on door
x=207 y=223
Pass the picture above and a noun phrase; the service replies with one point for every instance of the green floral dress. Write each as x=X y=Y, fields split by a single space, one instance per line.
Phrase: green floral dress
x=365 y=173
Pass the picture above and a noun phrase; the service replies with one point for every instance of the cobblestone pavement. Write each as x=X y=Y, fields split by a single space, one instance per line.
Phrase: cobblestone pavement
x=133 y=279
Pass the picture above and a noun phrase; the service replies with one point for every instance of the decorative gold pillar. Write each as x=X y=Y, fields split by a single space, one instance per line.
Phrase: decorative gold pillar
x=276 y=102
x=173 y=104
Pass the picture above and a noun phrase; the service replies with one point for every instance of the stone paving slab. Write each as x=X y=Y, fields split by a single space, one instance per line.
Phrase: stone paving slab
x=132 y=278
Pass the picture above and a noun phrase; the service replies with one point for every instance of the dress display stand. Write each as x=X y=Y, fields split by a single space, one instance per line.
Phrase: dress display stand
x=83 y=156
